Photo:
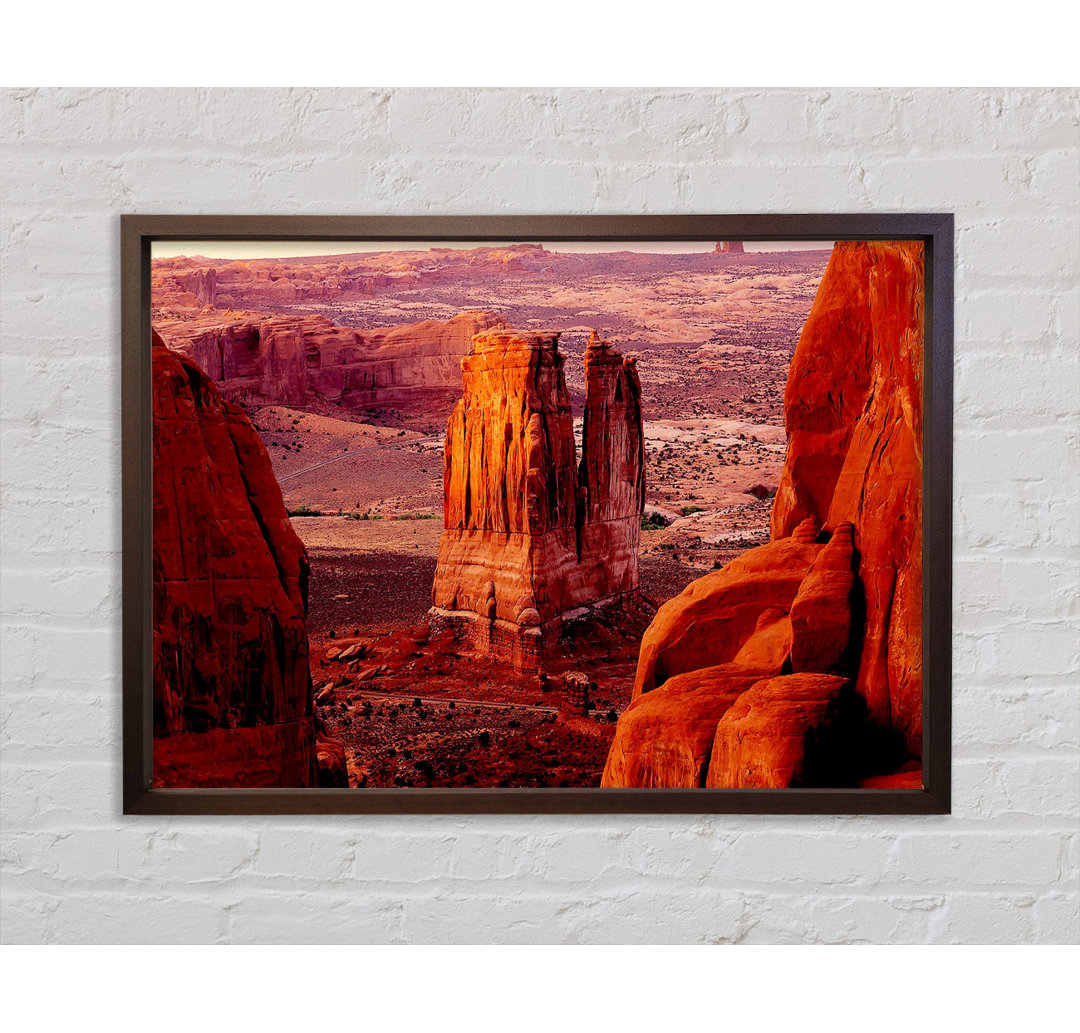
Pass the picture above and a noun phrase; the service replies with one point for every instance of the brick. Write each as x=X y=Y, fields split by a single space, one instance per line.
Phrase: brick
x=1003 y=868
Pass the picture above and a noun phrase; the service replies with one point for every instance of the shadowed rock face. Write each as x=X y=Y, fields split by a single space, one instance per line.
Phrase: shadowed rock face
x=853 y=412
x=530 y=533
x=292 y=360
x=825 y=620
x=232 y=693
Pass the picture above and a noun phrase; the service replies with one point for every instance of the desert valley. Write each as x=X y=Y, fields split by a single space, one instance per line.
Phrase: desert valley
x=498 y=464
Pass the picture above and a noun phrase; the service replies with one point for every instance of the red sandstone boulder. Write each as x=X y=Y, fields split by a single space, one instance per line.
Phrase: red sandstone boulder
x=332 y=773
x=713 y=618
x=232 y=693
x=664 y=738
x=760 y=741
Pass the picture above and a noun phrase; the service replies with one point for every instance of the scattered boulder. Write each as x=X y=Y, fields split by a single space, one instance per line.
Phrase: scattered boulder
x=333 y=773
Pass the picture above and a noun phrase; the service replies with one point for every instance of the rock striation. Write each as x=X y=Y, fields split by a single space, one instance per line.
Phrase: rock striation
x=293 y=360
x=800 y=662
x=530 y=533
x=232 y=690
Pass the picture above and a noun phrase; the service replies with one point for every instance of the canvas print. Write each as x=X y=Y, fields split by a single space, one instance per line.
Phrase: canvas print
x=525 y=513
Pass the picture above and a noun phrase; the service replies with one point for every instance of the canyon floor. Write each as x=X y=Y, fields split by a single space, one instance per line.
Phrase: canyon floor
x=713 y=339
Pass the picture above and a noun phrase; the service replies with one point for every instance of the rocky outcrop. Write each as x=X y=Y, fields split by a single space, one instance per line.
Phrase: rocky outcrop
x=825 y=620
x=761 y=739
x=529 y=533
x=232 y=692
x=728 y=247
x=292 y=360
x=853 y=412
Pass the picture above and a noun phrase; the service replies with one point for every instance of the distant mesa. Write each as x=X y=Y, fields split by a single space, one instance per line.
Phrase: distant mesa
x=294 y=360
x=728 y=247
x=799 y=663
x=531 y=534
x=232 y=689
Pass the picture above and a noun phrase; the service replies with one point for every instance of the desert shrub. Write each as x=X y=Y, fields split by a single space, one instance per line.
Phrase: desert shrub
x=653 y=523
x=304 y=510
x=687 y=510
x=612 y=716
x=484 y=738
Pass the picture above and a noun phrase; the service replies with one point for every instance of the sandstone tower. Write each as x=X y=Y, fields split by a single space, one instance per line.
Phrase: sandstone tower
x=530 y=534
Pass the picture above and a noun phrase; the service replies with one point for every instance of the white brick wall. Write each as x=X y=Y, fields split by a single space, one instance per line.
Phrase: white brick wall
x=1003 y=867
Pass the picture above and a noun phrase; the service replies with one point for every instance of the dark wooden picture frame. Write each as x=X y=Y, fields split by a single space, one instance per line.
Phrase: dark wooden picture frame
x=936 y=231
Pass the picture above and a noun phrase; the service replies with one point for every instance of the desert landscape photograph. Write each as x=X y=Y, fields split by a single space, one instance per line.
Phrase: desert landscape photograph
x=537 y=514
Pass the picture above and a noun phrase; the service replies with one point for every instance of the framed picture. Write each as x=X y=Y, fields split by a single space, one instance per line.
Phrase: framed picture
x=531 y=514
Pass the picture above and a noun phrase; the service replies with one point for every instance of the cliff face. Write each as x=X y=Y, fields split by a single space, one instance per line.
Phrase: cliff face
x=529 y=533
x=853 y=410
x=289 y=360
x=232 y=693
x=800 y=661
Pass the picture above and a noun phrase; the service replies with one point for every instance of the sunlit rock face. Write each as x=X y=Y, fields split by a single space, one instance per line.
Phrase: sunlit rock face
x=232 y=691
x=826 y=619
x=530 y=532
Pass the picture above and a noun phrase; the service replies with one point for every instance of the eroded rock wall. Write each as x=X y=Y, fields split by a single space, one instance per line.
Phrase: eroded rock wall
x=232 y=692
x=292 y=360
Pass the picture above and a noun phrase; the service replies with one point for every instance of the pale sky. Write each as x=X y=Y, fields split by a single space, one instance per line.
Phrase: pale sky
x=248 y=249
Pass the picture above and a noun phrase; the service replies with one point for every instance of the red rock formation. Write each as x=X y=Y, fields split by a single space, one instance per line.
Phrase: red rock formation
x=822 y=617
x=853 y=411
x=830 y=632
x=713 y=618
x=290 y=360
x=728 y=247
x=232 y=692
x=664 y=738
x=529 y=535
x=760 y=741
